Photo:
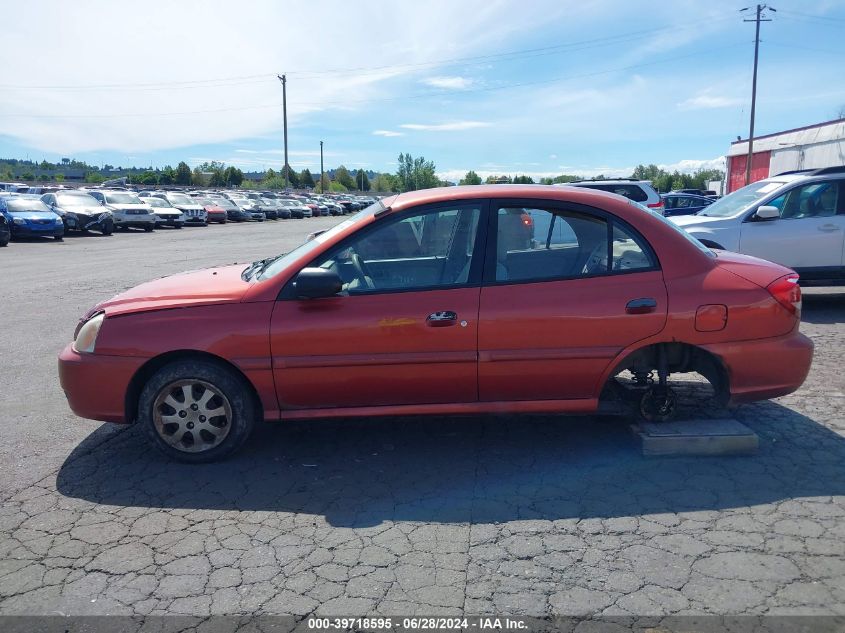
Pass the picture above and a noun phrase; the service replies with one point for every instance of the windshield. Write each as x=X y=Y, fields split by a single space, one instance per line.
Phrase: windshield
x=223 y=202
x=157 y=202
x=178 y=198
x=283 y=261
x=738 y=201
x=122 y=198
x=77 y=201
x=22 y=205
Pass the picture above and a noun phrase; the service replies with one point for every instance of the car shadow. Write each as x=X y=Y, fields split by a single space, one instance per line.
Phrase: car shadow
x=359 y=473
x=823 y=308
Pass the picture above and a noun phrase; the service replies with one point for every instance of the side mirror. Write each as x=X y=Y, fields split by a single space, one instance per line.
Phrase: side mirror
x=767 y=213
x=316 y=283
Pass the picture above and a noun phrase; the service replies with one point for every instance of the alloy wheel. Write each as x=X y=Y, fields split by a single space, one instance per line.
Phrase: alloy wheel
x=192 y=415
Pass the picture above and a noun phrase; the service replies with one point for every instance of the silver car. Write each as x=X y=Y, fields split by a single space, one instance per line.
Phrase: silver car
x=166 y=213
x=127 y=209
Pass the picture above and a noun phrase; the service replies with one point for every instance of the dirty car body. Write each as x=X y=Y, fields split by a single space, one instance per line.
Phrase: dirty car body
x=484 y=299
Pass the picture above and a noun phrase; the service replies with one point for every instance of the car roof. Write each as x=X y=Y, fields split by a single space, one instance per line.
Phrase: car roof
x=583 y=195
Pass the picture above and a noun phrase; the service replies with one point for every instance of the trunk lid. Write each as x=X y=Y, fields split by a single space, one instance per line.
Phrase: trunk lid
x=759 y=271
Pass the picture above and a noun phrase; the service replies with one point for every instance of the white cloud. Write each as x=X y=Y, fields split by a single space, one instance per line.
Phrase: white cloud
x=54 y=108
x=690 y=166
x=449 y=83
x=446 y=127
x=387 y=133
x=705 y=101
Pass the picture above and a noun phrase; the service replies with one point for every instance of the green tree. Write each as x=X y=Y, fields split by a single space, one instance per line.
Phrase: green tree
x=270 y=173
x=197 y=177
x=94 y=177
x=362 y=181
x=60 y=177
x=147 y=178
x=27 y=175
x=167 y=176
x=218 y=178
x=183 y=174
x=498 y=180
x=523 y=180
x=343 y=177
x=471 y=178
x=306 y=179
x=232 y=177
x=416 y=173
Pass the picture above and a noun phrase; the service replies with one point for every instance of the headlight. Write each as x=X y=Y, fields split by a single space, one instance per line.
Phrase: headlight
x=86 y=338
x=58 y=220
x=18 y=220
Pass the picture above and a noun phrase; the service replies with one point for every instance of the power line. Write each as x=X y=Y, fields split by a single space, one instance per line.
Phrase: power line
x=425 y=95
x=514 y=55
x=811 y=16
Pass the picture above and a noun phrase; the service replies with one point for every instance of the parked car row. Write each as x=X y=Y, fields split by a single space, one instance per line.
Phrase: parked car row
x=56 y=212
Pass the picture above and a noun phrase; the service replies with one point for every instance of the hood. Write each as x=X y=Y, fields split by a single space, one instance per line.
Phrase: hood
x=196 y=287
x=92 y=210
x=34 y=215
x=692 y=221
x=130 y=207
x=191 y=207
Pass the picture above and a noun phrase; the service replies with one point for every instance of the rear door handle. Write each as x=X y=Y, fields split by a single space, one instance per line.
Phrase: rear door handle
x=641 y=306
x=442 y=319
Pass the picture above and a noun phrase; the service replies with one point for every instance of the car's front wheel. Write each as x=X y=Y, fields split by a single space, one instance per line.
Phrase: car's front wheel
x=196 y=410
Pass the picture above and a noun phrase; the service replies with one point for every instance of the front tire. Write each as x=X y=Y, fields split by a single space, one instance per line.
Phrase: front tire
x=196 y=411
x=59 y=238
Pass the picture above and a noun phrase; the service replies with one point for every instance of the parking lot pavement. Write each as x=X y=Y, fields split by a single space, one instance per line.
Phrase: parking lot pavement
x=528 y=515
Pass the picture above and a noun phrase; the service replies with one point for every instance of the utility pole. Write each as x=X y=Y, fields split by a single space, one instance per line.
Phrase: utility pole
x=283 y=79
x=322 y=171
x=758 y=18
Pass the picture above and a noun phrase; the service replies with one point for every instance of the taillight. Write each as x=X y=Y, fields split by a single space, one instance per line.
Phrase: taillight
x=657 y=206
x=787 y=292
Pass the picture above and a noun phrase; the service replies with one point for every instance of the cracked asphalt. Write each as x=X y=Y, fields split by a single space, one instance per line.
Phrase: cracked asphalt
x=530 y=515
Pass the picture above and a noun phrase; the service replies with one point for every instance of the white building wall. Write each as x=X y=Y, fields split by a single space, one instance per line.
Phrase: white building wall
x=827 y=154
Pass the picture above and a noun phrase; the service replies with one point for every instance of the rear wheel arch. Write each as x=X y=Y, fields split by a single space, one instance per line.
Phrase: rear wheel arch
x=148 y=369
x=682 y=358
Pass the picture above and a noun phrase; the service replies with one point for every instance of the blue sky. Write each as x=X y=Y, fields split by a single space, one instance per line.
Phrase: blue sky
x=509 y=87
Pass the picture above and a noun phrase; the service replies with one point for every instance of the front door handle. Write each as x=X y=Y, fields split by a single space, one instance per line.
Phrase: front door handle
x=828 y=228
x=442 y=319
x=641 y=306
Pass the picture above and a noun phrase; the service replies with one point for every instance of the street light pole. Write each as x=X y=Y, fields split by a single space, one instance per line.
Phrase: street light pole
x=322 y=171
x=283 y=79
x=758 y=18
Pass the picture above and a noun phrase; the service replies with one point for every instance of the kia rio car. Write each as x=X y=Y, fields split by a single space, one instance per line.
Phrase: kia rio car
x=487 y=299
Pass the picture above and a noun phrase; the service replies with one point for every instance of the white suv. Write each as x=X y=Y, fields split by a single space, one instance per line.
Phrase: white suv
x=640 y=191
x=796 y=219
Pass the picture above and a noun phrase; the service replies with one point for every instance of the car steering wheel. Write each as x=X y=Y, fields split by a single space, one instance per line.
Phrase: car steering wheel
x=597 y=261
x=358 y=265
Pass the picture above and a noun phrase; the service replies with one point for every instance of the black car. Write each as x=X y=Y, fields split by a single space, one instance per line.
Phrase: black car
x=233 y=212
x=5 y=233
x=79 y=211
x=684 y=203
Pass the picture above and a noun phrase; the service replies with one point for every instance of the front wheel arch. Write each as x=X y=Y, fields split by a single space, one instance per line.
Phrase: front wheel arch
x=146 y=371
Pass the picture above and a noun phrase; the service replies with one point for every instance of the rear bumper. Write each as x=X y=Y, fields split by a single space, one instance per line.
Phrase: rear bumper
x=95 y=386
x=767 y=368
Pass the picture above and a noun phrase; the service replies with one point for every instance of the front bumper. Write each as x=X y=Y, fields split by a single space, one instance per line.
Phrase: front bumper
x=765 y=368
x=176 y=220
x=95 y=385
x=37 y=230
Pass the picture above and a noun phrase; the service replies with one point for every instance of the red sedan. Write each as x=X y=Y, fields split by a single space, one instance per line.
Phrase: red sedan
x=484 y=299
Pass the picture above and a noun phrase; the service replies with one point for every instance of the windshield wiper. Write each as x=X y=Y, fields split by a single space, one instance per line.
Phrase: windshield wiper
x=257 y=267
